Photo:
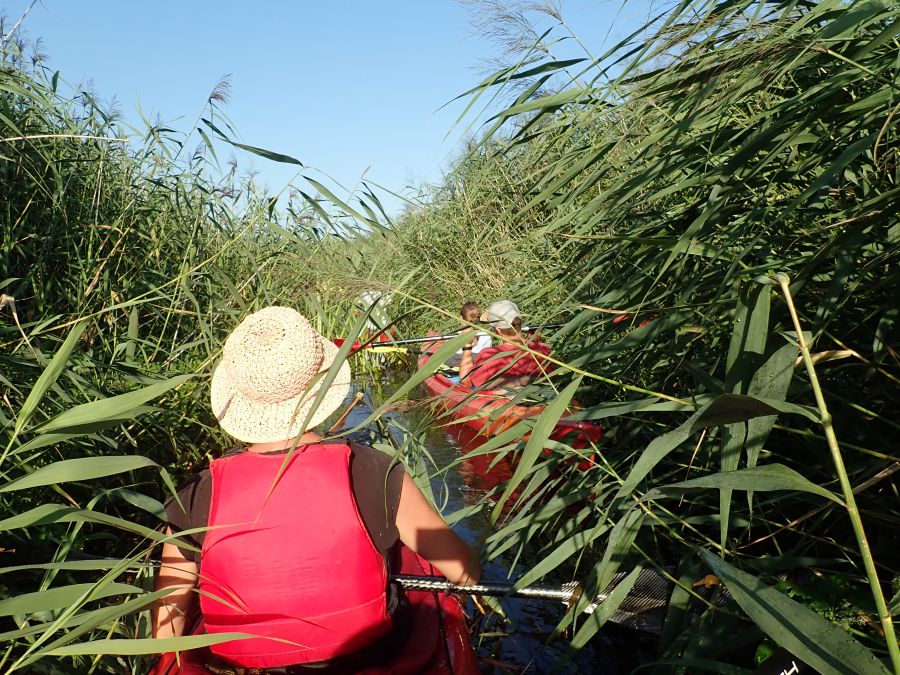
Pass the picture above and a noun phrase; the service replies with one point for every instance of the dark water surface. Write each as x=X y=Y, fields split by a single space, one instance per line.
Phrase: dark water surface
x=521 y=644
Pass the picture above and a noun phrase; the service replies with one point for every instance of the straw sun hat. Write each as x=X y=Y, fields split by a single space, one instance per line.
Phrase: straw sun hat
x=269 y=376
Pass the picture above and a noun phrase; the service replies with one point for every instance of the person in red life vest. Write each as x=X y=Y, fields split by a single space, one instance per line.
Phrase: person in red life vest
x=510 y=364
x=300 y=531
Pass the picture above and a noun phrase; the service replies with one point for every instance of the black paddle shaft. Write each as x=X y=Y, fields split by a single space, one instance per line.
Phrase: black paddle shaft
x=643 y=608
x=437 y=338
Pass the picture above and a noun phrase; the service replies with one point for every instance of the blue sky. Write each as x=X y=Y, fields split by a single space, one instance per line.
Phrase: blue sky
x=351 y=88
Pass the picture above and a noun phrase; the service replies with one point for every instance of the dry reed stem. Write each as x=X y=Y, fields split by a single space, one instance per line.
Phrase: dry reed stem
x=11 y=301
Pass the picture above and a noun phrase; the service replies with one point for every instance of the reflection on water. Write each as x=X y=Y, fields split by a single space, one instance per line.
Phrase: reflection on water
x=520 y=644
x=482 y=472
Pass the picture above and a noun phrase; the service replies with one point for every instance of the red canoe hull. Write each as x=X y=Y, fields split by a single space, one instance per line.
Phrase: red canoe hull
x=438 y=643
x=490 y=413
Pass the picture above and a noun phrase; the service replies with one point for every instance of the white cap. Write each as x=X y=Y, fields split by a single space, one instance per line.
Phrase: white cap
x=501 y=314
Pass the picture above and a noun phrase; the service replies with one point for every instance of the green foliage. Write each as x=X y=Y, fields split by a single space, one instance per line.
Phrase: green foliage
x=646 y=199
x=123 y=269
x=826 y=647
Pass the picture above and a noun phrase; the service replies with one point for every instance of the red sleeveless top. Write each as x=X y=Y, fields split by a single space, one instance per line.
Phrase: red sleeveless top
x=289 y=559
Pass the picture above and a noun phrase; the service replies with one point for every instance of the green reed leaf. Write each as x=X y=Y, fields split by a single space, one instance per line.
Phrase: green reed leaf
x=267 y=154
x=818 y=642
x=619 y=545
x=39 y=515
x=82 y=565
x=770 y=382
x=83 y=468
x=544 y=425
x=146 y=645
x=724 y=409
x=42 y=440
x=565 y=551
x=605 y=610
x=50 y=374
x=58 y=513
x=748 y=342
x=94 y=415
x=758 y=479
x=65 y=596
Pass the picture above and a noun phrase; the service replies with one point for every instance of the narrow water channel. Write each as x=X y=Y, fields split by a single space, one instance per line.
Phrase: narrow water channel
x=521 y=644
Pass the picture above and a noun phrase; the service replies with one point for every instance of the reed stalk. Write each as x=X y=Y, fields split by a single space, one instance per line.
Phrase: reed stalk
x=884 y=614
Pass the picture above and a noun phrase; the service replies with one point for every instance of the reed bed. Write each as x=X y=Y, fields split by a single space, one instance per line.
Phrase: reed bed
x=124 y=267
x=712 y=208
x=719 y=199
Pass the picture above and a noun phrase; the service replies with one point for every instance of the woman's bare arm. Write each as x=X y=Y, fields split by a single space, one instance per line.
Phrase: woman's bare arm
x=424 y=531
x=466 y=362
x=170 y=612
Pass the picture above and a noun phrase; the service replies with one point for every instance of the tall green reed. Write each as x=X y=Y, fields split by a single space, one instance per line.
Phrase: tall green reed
x=721 y=142
x=735 y=139
x=124 y=267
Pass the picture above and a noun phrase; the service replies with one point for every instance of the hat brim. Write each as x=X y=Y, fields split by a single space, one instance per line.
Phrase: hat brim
x=257 y=422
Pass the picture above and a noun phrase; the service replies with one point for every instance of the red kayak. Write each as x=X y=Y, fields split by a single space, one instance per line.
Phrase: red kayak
x=438 y=642
x=489 y=411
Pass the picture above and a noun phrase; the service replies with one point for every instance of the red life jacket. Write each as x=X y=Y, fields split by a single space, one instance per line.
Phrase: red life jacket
x=493 y=361
x=292 y=562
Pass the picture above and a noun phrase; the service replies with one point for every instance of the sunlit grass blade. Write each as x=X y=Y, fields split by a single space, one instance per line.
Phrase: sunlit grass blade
x=82 y=468
x=757 y=479
x=64 y=596
x=53 y=370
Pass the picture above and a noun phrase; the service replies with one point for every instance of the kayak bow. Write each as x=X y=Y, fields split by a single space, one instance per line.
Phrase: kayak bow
x=490 y=412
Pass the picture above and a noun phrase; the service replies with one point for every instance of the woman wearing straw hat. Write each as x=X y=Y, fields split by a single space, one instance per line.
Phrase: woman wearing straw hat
x=299 y=530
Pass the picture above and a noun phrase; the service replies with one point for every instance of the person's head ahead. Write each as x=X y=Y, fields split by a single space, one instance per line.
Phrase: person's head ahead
x=504 y=317
x=470 y=312
x=271 y=371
